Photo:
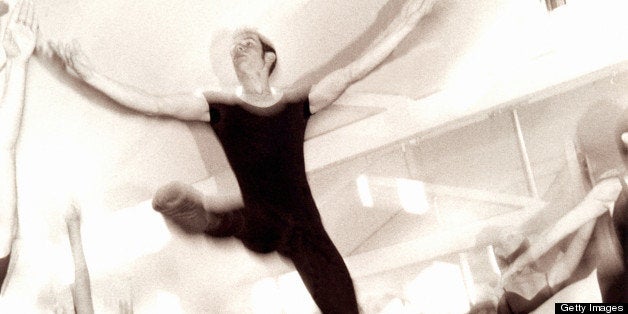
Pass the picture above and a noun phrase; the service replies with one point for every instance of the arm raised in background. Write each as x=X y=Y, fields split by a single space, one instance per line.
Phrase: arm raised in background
x=81 y=289
x=18 y=43
x=190 y=106
x=325 y=92
x=596 y=203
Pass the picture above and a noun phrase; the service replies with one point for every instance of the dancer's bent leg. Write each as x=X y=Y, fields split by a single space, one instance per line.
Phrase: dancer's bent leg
x=322 y=270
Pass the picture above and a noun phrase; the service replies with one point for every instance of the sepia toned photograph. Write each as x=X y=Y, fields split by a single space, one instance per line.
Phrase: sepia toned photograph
x=313 y=156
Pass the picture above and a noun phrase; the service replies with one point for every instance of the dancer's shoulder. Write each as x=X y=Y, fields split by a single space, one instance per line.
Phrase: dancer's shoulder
x=296 y=95
x=215 y=97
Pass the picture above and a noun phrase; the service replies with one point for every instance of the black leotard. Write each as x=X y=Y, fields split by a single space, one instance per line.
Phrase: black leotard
x=264 y=147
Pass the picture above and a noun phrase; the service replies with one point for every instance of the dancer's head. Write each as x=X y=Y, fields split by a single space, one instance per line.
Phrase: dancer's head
x=603 y=139
x=252 y=55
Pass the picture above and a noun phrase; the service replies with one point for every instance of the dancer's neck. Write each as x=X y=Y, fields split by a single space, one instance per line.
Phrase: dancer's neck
x=266 y=98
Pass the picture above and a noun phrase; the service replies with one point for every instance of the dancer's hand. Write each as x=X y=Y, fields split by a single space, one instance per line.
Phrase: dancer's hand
x=73 y=217
x=75 y=61
x=21 y=33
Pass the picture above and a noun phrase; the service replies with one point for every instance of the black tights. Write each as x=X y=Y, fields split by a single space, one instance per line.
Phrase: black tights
x=308 y=245
x=297 y=236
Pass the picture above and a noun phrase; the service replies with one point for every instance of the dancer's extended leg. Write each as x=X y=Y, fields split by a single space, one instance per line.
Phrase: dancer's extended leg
x=322 y=270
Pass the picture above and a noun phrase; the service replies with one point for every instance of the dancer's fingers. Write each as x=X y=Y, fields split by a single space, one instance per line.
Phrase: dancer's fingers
x=65 y=55
x=58 y=48
x=66 y=52
x=8 y=37
x=30 y=14
x=70 y=54
x=16 y=16
x=13 y=18
x=55 y=48
x=75 y=52
x=76 y=47
x=21 y=18
x=35 y=25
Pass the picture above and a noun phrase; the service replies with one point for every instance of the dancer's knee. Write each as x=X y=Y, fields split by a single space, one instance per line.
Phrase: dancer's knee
x=261 y=240
x=223 y=224
x=259 y=245
x=299 y=237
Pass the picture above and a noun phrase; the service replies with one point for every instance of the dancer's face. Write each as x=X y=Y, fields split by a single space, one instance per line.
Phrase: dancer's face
x=247 y=53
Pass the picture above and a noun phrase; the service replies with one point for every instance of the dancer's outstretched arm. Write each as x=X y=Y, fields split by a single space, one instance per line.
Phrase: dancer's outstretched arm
x=331 y=87
x=180 y=106
x=19 y=41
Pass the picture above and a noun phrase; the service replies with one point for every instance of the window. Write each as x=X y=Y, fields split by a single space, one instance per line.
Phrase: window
x=553 y=4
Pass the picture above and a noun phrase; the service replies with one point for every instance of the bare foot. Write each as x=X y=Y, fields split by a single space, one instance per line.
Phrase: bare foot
x=182 y=204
